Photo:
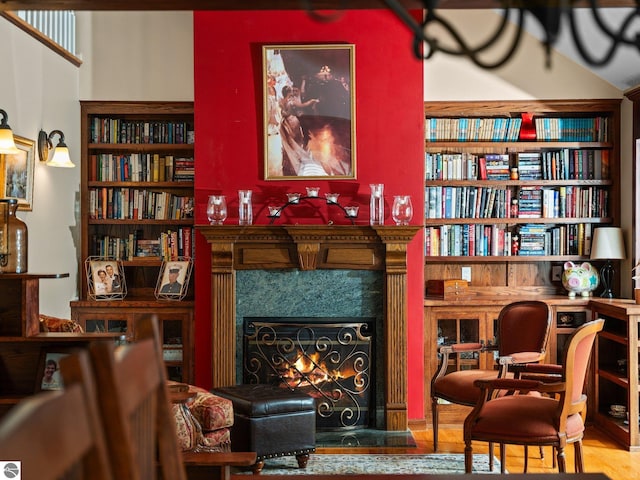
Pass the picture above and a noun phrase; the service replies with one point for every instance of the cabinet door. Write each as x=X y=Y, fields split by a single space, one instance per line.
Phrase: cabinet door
x=105 y=322
x=175 y=331
x=463 y=327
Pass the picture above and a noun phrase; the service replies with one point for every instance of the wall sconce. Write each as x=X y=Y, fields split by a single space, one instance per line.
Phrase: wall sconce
x=7 y=145
x=60 y=157
x=608 y=244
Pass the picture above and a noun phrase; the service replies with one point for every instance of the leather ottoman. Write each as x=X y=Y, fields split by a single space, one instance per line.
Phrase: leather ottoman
x=271 y=421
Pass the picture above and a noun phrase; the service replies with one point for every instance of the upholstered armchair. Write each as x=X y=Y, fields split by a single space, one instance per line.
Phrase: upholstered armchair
x=203 y=420
x=523 y=332
x=553 y=417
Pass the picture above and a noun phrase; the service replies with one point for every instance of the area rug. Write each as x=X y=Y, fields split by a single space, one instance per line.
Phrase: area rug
x=354 y=464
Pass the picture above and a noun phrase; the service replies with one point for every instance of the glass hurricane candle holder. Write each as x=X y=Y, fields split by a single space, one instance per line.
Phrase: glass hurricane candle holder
x=402 y=209
x=217 y=209
x=376 y=204
x=245 y=209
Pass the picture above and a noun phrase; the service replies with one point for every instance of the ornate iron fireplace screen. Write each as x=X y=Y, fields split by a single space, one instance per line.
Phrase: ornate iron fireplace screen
x=329 y=361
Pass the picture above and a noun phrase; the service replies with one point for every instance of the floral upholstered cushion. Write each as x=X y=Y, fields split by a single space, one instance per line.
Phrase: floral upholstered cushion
x=186 y=428
x=213 y=412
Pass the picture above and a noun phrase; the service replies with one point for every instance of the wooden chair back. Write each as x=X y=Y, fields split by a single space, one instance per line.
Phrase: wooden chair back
x=135 y=407
x=57 y=434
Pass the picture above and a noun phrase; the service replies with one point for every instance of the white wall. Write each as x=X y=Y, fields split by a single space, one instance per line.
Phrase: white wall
x=136 y=55
x=39 y=89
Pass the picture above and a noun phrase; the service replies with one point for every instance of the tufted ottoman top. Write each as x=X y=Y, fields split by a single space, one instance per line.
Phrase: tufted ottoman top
x=260 y=400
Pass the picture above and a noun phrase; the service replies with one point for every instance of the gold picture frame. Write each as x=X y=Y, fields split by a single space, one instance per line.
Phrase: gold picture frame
x=105 y=278
x=16 y=174
x=309 y=111
x=173 y=280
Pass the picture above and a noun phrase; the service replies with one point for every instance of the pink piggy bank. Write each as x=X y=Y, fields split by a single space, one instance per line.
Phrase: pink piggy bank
x=582 y=279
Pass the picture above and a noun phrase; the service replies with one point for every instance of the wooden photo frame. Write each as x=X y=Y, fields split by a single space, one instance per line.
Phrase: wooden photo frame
x=17 y=173
x=105 y=278
x=173 y=280
x=309 y=111
x=49 y=377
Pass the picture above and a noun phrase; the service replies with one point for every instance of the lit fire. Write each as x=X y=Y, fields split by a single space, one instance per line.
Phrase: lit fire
x=309 y=370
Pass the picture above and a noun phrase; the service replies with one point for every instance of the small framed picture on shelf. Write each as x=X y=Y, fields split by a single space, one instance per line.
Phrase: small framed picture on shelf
x=49 y=377
x=17 y=173
x=173 y=281
x=105 y=278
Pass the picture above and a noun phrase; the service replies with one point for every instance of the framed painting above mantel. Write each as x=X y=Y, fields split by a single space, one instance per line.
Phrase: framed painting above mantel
x=309 y=111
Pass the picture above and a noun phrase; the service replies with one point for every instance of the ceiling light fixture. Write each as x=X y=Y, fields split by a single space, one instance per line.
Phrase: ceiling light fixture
x=60 y=157
x=7 y=144
x=547 y=12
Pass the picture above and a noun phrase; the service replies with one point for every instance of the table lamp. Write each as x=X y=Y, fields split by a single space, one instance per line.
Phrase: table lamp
x=608 y=244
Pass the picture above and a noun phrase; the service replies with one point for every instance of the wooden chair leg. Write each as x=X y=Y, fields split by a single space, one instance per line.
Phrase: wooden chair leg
x=434 y=422
x=491 y=456
x=503 y=458
x=579 y=462
x=526 y=459
x=562 y=461
x=468 y=457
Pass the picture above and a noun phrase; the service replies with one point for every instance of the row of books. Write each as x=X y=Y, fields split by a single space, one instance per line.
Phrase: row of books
x=569 y=164
x=559 y=164
x=496 y=129
x=572 y=129
x=467 y=202
x=170 y=245
x=117 y=130
x=507 y=129
x=528 y=202
x=136 y=204
x=141 y=167
x=471 y=240
x=537 y=240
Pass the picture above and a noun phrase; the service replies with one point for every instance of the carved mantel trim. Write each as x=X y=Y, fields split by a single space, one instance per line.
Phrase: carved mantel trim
x=309 y=247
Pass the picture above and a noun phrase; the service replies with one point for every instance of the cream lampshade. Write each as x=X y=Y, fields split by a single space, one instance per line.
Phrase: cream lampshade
x=608 y=244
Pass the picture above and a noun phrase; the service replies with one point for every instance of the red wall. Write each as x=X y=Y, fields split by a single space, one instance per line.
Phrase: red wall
x=229 y=147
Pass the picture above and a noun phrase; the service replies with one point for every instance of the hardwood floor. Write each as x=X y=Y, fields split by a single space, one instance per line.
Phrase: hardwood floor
x=601 y=454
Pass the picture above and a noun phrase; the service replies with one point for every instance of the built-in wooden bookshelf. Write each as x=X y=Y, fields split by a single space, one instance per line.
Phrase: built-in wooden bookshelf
x=566 y=187
x=519 y=198
x=137 y=208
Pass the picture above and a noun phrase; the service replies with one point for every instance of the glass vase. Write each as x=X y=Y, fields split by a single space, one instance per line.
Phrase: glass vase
x=13 y=239
x=402 y=209
x=245 y=209
x=376 y=205
x=217 y=209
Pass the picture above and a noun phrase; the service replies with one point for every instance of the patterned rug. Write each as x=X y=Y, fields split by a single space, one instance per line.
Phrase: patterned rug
x=440 y=463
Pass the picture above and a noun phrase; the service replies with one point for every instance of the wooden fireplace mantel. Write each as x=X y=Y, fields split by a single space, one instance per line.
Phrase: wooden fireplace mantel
x=310 y=247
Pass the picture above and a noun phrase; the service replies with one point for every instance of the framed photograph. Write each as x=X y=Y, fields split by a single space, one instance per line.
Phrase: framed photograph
x=49 y=377
x=105 y=278
x=309 y=111
x=173 y=281
x=17 y=173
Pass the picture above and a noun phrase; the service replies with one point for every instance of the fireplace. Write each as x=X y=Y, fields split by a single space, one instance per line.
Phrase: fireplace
x=330 y=359
x=305 y=248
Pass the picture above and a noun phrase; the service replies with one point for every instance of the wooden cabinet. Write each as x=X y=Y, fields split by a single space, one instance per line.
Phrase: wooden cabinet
x=175 y=321
x=137 y=207
x=22 y=345
x=474 y=319
x=616 y=365
x=567 y=184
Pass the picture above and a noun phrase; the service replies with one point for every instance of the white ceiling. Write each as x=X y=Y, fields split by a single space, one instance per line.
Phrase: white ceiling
x=624 y=69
